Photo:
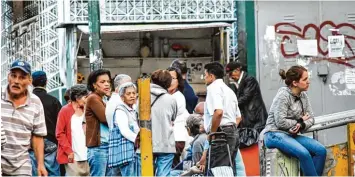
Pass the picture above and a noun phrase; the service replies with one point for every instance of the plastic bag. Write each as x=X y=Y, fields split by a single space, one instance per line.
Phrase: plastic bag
x=247 y=137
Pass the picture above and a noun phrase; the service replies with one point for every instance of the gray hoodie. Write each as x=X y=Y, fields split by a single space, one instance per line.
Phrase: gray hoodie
x=163 y=114
x=286 y=109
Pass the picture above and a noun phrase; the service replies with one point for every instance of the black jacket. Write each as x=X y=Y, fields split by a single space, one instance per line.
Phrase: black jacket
x=250 y=103
x=51 y=107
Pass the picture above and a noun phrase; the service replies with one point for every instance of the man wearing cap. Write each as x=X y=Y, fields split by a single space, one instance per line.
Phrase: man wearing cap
x=250 y=101
x=51 y=107
x=23 y=119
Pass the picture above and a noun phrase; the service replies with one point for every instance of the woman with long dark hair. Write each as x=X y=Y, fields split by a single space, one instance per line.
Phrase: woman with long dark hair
x=97 y=131
x=180 y=133
x=290 y=114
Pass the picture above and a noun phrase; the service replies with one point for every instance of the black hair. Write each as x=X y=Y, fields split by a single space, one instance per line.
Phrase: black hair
x=93 y=77
x=181 y=65
x=181 y=81
x=216 y=69
x=67 y=95
x=78 y=91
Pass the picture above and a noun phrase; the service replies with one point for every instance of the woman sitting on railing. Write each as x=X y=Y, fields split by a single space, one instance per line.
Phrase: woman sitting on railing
x=291 y=113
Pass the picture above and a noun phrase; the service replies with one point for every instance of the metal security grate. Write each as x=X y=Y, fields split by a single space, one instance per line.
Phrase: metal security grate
x=139 y=11
x=35 y=41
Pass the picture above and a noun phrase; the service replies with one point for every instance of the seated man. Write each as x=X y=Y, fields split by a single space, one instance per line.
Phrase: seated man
x=193 y=126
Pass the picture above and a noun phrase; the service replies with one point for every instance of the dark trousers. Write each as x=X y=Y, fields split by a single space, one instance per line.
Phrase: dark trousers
x=219 y=154
x=179 y=145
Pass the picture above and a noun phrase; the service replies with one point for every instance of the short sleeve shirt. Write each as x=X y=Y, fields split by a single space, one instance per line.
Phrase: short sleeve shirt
x=220 y=96
x=19 y=125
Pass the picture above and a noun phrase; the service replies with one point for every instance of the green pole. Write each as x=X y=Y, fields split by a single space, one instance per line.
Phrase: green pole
x=246 y=34
x=95 y=35
x=250 y=30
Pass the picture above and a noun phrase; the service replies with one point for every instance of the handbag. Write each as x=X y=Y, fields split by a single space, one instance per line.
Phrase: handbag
x=121 y=150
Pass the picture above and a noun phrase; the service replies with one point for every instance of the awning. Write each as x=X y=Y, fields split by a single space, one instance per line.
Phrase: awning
x=152 y=27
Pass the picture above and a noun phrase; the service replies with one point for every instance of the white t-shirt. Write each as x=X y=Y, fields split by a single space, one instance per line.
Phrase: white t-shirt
x=220 y=96
x=180 y=132
x=78 y=138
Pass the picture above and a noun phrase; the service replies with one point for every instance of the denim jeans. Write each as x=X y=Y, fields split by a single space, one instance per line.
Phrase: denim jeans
x=50 y=162
x=97 y=159
x=163 y=163
x=308 y=151
x=133 y=168
x=239 y=165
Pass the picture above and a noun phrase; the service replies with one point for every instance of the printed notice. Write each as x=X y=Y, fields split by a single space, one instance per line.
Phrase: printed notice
x=350 y=78
x=270 y=33
x=336 y=46
x=307 y=47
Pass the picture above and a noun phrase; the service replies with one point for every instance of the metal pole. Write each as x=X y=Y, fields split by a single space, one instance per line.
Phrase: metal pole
x=145 y=127
x=221 y=35
x=95 y=35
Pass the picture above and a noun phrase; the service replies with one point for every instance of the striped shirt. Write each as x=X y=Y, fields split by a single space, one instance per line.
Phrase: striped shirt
x=3 y=137
x=20 y=124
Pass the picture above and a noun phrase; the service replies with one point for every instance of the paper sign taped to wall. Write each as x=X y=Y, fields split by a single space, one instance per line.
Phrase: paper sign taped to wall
x=307 y=47
x=270 y=33
x=336 y=46
x=350 y=78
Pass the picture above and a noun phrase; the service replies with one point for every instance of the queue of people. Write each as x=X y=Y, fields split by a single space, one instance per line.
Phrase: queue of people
x=97 y=133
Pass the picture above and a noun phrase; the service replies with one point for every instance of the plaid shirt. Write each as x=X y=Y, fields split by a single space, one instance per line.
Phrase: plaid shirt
x=121 y=150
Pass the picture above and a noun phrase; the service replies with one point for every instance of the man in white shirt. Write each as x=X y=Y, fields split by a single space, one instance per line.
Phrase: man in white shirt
x=221 y=115
x=115 y=99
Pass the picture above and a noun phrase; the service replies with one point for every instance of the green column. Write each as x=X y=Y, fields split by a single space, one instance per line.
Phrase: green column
x=246 y=34
x=95 y=35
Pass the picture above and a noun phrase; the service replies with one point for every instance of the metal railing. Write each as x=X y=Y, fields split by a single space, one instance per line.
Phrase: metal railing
x=153 y=11
x=331 y=121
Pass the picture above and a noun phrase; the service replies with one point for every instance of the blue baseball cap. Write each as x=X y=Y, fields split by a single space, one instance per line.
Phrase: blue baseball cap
x=23 y=65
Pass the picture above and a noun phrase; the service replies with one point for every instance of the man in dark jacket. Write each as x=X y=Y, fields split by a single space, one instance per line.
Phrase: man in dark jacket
x=249 y=97
x=51 y=107
x=190 y=97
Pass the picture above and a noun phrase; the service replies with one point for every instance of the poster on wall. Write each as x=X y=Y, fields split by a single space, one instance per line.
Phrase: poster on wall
x=350 y=78
x=307 y=47
x=270 y=33
x=336 y=46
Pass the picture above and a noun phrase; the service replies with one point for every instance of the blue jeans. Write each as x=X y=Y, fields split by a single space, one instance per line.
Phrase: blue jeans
x=163 y=163
x=308 y=151
x=50 y=162
x=133 y=168
x=239 y=164
x=97 y=159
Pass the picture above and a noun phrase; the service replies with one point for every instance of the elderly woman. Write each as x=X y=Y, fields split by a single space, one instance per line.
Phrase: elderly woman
x=77 y=161
x=291 y=113
x=176 y=89
x=124 y=137
x=97 y=131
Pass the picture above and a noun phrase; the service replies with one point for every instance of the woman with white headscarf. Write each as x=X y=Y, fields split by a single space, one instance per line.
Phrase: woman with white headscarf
x=124 y=137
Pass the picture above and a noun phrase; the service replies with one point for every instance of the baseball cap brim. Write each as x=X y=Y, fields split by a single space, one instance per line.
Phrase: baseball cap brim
x=22 y=68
